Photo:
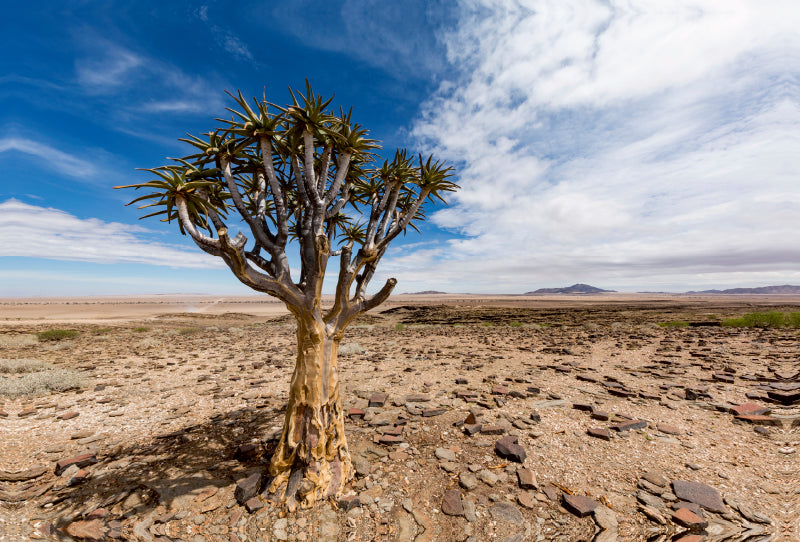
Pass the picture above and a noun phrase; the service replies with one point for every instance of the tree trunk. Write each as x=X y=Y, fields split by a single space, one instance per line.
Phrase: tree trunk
x=312 y=461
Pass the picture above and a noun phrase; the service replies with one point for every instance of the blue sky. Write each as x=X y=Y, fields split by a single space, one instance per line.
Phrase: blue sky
x=644 y=145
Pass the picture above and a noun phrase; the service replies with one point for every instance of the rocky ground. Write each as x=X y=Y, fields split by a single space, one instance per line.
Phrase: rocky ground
x=465 y=423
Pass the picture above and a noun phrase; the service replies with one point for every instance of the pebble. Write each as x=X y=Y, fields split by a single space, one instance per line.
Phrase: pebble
x=467 y=481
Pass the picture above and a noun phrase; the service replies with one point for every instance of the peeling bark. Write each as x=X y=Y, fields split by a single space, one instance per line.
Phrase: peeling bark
x=312 y=461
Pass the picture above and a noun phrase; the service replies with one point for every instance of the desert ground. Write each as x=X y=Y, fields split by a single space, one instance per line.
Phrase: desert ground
x=504 y=418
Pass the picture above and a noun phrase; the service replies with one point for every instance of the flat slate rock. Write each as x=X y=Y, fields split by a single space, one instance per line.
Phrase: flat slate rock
x=698 y=493
x=451 y=503
x=580 y=505
x=759 y=420
x=507 y=448
x=599 y=432
x=629 y=426
x=507 y=512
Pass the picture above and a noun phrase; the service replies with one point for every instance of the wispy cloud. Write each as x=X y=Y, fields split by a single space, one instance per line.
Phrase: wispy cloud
x=49 y=157
x=141 y=84
x=48 y=233
x=619 y=143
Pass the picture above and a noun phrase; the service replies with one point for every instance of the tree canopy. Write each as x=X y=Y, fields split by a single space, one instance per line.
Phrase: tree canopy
x=298 y=172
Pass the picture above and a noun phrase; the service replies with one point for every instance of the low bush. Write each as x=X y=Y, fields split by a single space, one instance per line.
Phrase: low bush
x=57 y=334
x=772 y=319
x=350 y=349
x=674 y=323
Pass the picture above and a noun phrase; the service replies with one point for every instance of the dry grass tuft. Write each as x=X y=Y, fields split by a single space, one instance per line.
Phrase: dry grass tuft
x=28 y=377
x=26 y=339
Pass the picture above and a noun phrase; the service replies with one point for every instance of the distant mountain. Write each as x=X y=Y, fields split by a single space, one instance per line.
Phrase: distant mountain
x=785 y=289
x=574 y=289
x=425 y=292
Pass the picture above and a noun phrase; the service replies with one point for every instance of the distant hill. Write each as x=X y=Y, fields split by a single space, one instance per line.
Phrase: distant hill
x=425 y=292
x=785 y=289
x=574 y=289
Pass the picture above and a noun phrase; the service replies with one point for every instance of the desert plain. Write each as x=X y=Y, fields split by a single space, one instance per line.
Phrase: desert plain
x=479 y=418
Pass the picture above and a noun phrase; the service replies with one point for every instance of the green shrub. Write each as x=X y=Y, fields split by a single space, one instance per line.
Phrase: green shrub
x=141 y=329
x=56 y=334
x=399 y=327
x=515 y=324
x=772 y=319
x=189 y=330
x=674 y=323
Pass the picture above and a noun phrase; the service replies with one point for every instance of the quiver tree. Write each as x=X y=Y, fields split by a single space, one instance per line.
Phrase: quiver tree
x=299 y=177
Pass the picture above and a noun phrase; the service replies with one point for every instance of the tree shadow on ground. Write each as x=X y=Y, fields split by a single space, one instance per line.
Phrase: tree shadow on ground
x=172 y=472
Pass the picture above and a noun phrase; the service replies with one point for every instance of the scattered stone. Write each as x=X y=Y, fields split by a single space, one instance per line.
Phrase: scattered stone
x=492 y=430
x=468 y=481
x=668 y=429
x=429 y=412
x=248 y=488
x=686 y=518
x=26 y=412
x=584 y=407
x=629 y=426
x=348 y=502
x=527 y=479
x=356 y=413
x=507 y=448
x=281 y=529
x=655 y=478
x=378 y=399
x=487 y=477
x=599 y=432
x=451 y=503
x=248 y=451
x=698 y=493
x=445 y=454
x=600 y=415
x=552 y=492
x=253 y=504
x=750 y=409
x=68 y=416
x=579 y=505
x=499 y=390
x=526 y=500
x=80 y=461
x=92 y=530
x=471 y=429
x=759 y=420
x=507 y=512
x=761 y=430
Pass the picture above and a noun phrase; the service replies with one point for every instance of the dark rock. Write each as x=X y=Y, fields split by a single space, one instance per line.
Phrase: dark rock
x=535 y=417
x=80 y=461
x=601 y=415
x=761 y=430
x=698 y=493
x=390 y=439
x=428 y=412
x=27 y=412
x=492 y=430
x=499 y=390
x=248 y=451
x=629 y=426
x=759 y=420
x=378 y=399
x=68 y=415
x=507 y=512
x=471 y=429
x=507 y=448
x=552 y=492
x=451 y=503
x=348 y=502
x=579 y=505
x=599 y=432
x=253 y=504
x=461 y=381
x=248 y=488
x=584 y=407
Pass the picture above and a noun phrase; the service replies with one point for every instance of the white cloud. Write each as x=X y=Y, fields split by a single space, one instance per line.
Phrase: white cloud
x=49 y=157
x=143 y=84
x=43 y=232
x=620 y=143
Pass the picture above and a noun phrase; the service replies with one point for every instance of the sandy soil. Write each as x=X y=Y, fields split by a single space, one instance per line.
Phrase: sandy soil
x=173 y=387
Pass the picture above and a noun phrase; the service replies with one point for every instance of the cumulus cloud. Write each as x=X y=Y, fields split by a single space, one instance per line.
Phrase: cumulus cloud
x=635 y=145
x=44 y=232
